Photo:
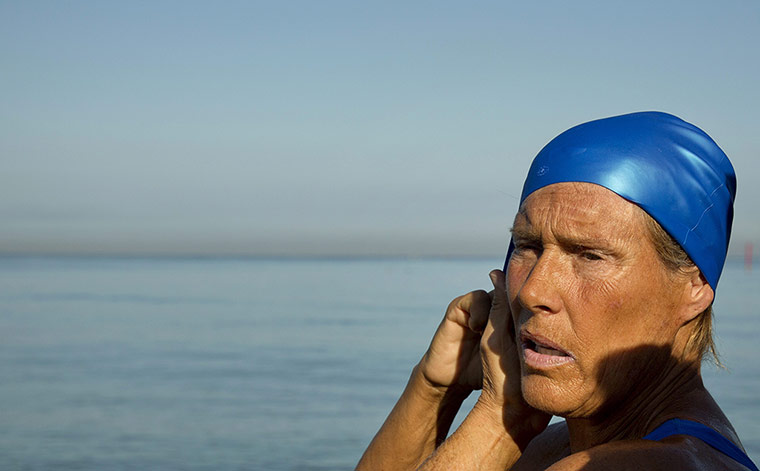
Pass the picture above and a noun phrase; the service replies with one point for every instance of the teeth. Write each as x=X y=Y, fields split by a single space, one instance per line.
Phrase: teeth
x=548 y=351
x=544 y=350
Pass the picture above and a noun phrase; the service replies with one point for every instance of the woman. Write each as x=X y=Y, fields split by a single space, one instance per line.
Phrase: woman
x=602 y=316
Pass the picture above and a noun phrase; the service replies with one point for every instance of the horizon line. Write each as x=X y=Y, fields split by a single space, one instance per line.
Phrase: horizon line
x=243 y=256
x=275 y=256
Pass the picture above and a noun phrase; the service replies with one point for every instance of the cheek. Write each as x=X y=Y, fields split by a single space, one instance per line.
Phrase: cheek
x=603 y=318
x=615 y=305
x=618 y=316
x=517 y=273
x=612 y=297
x=602 y=287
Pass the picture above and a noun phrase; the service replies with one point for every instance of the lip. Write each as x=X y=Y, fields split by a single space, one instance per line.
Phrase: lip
x=542 y=361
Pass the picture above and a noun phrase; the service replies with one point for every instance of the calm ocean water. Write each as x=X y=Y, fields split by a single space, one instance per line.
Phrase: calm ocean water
x=114 y=364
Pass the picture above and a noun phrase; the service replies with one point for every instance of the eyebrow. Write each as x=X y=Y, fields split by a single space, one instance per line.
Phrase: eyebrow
x=574 y=243
x=597 y=243
x=524 y=234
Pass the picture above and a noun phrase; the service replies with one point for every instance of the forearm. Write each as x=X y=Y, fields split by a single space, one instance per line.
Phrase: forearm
x=416 y=425
x=482 y=442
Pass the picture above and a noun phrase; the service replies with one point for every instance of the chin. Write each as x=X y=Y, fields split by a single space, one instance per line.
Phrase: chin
x=551 y=396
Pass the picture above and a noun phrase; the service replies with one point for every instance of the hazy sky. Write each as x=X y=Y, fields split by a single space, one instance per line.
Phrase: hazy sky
x=325 y=127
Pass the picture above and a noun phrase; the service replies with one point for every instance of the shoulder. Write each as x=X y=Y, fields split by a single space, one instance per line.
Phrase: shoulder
x=677 y=452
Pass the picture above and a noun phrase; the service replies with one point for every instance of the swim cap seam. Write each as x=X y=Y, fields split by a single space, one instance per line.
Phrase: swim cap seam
x=701 y=216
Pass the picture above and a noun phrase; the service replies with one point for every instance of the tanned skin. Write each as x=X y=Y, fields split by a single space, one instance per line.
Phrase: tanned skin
x=587 y=324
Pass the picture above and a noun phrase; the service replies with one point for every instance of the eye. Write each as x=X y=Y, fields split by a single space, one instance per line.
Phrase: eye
x=527 y=246
x=590 y=256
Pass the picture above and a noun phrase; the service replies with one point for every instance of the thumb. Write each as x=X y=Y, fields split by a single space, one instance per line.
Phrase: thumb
x=499 y=319
x=499 y=280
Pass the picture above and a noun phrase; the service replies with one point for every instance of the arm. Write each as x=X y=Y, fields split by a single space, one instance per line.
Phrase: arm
x=446 y=375
x=500 y=426
x=417 y=424
x=483 y=442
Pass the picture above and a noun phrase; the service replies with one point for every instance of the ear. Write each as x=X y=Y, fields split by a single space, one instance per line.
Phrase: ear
x=698 y=295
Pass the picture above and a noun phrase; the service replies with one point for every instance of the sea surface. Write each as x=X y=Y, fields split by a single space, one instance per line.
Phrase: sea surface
x=226 y=364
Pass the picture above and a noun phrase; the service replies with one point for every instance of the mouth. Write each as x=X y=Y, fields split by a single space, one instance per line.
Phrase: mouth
x=541 y=353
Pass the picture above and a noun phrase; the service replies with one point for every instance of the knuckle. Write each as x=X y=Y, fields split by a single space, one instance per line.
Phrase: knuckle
x=455 y=302
x=480 y=296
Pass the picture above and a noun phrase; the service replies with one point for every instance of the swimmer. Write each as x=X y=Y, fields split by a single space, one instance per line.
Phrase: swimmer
x=601 y=316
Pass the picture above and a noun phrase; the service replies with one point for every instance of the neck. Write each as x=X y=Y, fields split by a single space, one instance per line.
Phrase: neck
x=650 y=399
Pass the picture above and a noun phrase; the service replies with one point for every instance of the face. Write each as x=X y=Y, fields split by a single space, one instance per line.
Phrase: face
x=587 y=291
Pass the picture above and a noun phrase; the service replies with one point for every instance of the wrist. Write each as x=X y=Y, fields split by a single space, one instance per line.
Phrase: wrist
x=489 y=414
x=445 y=401
x=435 y=392
x=519 y=425
x=483 y=436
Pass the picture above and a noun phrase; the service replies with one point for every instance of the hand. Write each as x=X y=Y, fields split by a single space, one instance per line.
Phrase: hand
x=499 y=353
x=453 y=358
x=446 y=375
x=475 y=346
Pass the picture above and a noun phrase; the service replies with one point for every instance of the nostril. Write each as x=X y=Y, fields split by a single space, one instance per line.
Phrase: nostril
x=539 y=293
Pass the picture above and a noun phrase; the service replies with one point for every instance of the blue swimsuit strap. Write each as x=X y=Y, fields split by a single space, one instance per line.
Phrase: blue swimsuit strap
x=704 y=433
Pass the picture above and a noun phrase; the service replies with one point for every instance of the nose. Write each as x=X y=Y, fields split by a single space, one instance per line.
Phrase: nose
x=540 y=290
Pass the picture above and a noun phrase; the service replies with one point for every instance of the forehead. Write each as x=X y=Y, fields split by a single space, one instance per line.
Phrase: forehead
x=580 y=207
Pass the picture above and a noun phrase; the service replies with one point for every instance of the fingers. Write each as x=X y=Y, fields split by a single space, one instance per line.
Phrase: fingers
x=499 y=303
x=499 y=280
x=473 y=309
x=499 y=317
x=470 y=310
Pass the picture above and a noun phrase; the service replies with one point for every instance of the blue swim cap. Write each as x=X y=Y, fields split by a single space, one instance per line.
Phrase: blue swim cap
x=668 y=167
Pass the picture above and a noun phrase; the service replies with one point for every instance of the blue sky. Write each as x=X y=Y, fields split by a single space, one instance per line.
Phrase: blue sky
x=306 y=128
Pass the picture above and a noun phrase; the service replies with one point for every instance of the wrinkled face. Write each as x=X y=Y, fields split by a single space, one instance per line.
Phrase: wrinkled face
x=592 y=304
